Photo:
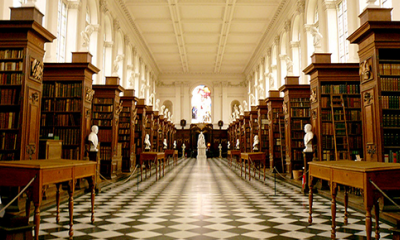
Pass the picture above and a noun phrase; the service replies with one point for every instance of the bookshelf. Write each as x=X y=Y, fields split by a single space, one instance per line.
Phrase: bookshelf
x=297 y=108
x=140 y=127
x=106 y=108
x=276 y=131
x=150 y=126
x=156 y=137
x=67 y=103
x=246 y=132
x=331 y=85
x=263 y=127
x=160 y=131
x=254 y=127
x=379 y=77
x=126 y=130
x=21 y=68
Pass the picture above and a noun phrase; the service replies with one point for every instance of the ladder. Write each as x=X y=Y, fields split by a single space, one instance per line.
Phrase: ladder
x=340 y=131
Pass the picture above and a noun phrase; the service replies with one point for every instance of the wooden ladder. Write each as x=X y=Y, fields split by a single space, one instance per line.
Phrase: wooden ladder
x=340 y=131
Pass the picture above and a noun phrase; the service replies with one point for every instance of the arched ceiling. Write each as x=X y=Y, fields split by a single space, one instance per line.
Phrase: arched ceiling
x=202 y=36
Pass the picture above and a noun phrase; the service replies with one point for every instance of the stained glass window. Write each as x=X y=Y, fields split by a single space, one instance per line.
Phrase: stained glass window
x=201 y=105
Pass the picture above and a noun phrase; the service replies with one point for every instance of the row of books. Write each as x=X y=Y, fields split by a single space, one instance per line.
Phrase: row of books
x=11 y=53
x=389 y=68
x=8 y=120
x=391 y=139
x=391 y=102
x=297 y=155
x=355 y=142
x=127 y=120
x=103 y=108
x=9 y=96
x=71 y=153
x=351 y=115
x=391 y=120
x=9 y=156
x=62 y=105
x=103 y=100
x=124 y=124
x=105 y=152
x=391 y=156
x=341 y=88
x=124 y=131
x=70 y=136
x=8 y=141
x=390 y=84
x=298 y=124
x=298 y=143
x=300 y=112
x=11 y=78
x=11 y=66
x=123 y=138
x=99 y=115
x=62 y=90
x=105 y=135
x=299 y=100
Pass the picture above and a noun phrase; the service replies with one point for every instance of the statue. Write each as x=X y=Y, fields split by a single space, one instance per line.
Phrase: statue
x=241 y=110
x=220 y=150
x=317 y=38
x=183 y=149
x=236 y=109
x=93 y=139
x=308 y=138
x=147 y=142
x=174 y=144
x=255 y=143
x=245 y=106
x=201 y=142
x=157 y=104
x=162 y=109
x=229 y=145
x=165 y=143
x=86 y=35
x=237 y=144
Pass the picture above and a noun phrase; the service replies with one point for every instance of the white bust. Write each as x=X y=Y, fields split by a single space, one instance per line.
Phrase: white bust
x=174 y=144
x=147 y=142
x=255 y=143
x=237 y=144
x=308 y=138
x=165 y=143
x=201 y=142
x=93 y=139
x=183 y=146
x=229 y=145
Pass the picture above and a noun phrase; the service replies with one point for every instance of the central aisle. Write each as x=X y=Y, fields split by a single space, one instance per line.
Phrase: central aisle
x=203 y=199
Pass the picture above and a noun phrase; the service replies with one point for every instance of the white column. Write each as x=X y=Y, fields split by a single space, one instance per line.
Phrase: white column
x=261 y=81
x=5 y=9
x=75 y=26
x=186 y=103
x=225 y=104
x=295 y=57
x=396 y=10
x=331 y=30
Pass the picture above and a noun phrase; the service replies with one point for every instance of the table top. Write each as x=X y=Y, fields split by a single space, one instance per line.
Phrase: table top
x=45 y=163
x=358 y=166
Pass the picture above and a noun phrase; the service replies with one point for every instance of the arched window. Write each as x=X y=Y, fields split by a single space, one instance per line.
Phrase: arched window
x=201 y=105
x=342 y=31
x=61 y=31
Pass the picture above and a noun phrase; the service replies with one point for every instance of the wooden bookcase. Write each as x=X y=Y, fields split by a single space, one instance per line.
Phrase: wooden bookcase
x=156 y=126
x=297 y=109
x=67 y=103
x=106 y=109
x=150 y=126
x=254 y=127
x=160 y=130
x=331 y=82
x=246 y=132
x=21 y=72
x=140 y=128
x=263 y=127
x=126 y=130
x=276 y=131
x=379 y=52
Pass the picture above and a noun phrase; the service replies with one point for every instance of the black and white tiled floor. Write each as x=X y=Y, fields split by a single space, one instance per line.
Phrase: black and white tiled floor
x=203 y=200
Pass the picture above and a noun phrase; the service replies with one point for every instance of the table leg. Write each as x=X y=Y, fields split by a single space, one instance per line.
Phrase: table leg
x=92 y=189
x=163 y=167
x=333 y=209
x=310 y=200
x=71 y=189
x=376 y=206
x=346 y=201
x=248 y=164
x=37 y=220
x=141 y=171
x=264 y=171
x=156 y=162
x=58 y=202
x=368 y=225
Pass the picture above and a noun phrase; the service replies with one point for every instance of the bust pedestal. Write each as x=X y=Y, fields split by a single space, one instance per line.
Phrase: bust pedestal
x=201 y=153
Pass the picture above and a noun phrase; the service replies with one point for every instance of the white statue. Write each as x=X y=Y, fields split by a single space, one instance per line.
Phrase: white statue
x=245 y=106
x=236 y=109
x=86 y=35
x=174 y=144
x=165 y=143
x=169 y=116
x=241 y=110
x=118 y=59
x=252 y=100
x=237 y=144
x=162 y=109
x=157 y=105
x=166 y=112
x=93 y=139
x=317 y=38
x=183 y=149
x=255 y=143
x=220 y=150
x=229 y=145
x=308 y=138
x=201 y=142
x=147 y=142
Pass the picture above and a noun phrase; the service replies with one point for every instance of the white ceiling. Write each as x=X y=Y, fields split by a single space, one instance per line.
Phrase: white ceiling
x=202 y=36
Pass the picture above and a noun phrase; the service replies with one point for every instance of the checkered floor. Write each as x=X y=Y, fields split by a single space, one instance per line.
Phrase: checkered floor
x=203 y=200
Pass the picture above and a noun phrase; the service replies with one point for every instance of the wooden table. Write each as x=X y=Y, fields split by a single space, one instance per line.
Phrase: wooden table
x=54 y=171
x=173 y=154
x=152 y=157
x=231 y=154
x=359 y=175
x=251 y=159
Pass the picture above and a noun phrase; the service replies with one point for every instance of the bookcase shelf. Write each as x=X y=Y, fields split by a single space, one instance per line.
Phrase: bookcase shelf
x=263 y=128
x=21 y=75
x=126 y=130
x=335 y=108
x=245 y=132
x=140 y=127
x=276 y=131
x=297 y=108
x=254 y=128
x=107 y=98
